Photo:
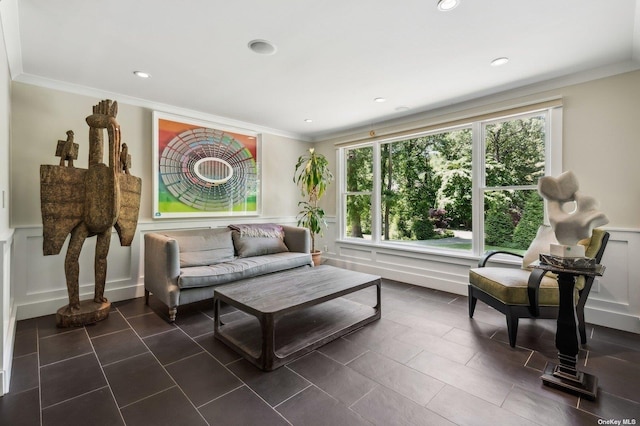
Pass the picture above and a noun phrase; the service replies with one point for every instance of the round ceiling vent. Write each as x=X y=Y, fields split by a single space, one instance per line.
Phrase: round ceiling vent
x=262 y=47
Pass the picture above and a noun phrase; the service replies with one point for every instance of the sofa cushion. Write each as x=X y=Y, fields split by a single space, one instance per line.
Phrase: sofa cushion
x=258 y=239
x=204 y=246
x=223 y=273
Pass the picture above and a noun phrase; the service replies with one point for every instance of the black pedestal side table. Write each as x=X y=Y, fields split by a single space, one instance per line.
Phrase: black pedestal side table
x=565 y=375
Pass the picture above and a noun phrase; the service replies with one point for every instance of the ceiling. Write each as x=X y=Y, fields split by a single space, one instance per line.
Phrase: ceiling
x=333 y=56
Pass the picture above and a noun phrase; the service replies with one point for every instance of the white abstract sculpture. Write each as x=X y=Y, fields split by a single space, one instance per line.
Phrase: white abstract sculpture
x=569 y=227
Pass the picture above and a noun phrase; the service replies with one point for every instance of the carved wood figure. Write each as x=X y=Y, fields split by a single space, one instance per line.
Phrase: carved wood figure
x=86 y=203
x=67 y=150
x=125 y=159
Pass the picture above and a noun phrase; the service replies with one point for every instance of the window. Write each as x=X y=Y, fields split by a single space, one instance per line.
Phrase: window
x=514 y=159
x=359 y=191
x=426 y=191
x=463 y=188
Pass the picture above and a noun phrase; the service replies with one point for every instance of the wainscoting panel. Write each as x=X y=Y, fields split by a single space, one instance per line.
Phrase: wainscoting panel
x=356 y=254
x=38 y=283
x=7 y=311
x=614 y=301
x=48 y=273
x=613 y=287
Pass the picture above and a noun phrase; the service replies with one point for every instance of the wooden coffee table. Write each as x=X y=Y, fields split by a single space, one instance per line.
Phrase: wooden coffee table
x=293 y=312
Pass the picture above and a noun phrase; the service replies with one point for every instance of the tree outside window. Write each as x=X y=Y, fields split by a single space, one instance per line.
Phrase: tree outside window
x=359 y=190
x=514 y=161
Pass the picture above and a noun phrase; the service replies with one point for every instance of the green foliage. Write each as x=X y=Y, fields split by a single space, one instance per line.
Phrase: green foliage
x=423 y=229
x=359 y=179
x=312 y=175
x=498 y=226
x=403 y=228
x=515 y=152
x=454 y=194
x=311 y=217
x=530 y=221
x=358 y=215
x=414 y=172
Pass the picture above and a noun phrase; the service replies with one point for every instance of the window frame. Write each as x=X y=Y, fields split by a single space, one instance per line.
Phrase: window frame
x=343 y=194
x=553 y=166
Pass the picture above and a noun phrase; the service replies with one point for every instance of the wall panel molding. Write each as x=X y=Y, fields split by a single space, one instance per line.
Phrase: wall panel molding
x=614 y=301
x=7 y=311
x=39 y=285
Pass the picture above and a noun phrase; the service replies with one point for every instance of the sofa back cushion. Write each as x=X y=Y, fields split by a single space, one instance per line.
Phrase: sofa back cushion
x=258 y=239
x=203 y=247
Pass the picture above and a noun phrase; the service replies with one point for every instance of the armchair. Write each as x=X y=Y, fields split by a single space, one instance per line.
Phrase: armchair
x=527 y=293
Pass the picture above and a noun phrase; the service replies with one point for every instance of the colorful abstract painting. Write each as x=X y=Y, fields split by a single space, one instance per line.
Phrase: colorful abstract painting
x=204 y=169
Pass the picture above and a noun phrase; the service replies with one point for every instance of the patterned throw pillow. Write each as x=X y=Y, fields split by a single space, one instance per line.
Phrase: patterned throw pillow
x=258 y=239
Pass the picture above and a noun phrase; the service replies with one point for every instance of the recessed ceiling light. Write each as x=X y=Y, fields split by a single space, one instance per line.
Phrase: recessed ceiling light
x=308 y=120
x=379 y=100
x=142 y=74
x=402 y=108
x=499 y=61
x=447 y=5
x=263 y=47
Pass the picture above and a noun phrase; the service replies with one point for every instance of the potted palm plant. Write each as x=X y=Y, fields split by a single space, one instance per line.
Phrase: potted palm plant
x=312 y=175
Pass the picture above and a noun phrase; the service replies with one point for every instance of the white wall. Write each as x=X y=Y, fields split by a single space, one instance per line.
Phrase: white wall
x=41 y=116
x=7 y=321
x=601 y=144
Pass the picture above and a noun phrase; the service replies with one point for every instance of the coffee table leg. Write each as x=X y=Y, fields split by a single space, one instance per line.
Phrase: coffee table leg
x=268 y=355
x=216 y=315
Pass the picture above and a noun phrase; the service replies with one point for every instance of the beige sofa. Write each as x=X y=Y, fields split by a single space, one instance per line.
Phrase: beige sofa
x=185 y=266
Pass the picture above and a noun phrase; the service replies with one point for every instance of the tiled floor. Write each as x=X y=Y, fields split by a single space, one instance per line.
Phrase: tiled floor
x=424 y=363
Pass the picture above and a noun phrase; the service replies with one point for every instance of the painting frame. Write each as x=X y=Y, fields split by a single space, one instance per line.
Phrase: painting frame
x=204 y=169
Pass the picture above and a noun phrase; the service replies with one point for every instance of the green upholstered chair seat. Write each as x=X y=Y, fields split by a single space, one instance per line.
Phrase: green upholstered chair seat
x=509 y=285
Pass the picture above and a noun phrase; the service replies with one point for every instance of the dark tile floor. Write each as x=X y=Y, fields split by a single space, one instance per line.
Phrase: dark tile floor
x=424 y=363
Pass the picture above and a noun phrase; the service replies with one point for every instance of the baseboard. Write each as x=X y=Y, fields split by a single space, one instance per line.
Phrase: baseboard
x=422 y=279
x=617 y=320
x=7 y=351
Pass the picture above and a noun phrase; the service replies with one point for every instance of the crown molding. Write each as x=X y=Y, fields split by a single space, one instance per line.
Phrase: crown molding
x=483 y=99
x=155 y=106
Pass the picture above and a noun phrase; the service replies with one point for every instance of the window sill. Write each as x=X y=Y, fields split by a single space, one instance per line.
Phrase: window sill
x=410 y=249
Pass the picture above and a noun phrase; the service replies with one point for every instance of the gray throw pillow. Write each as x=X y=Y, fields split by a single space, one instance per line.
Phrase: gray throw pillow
x=258 y=239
